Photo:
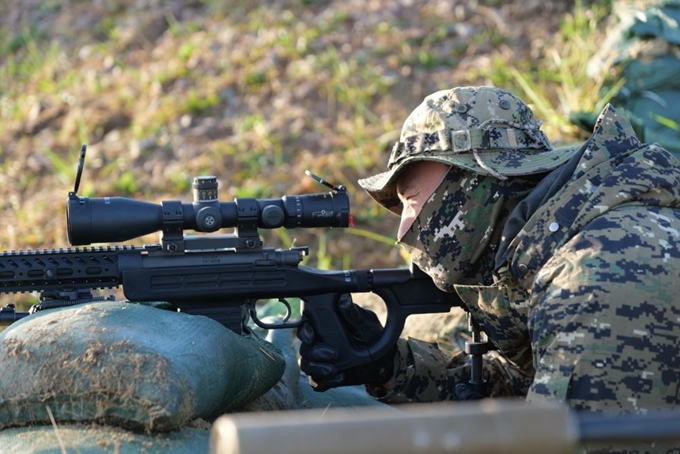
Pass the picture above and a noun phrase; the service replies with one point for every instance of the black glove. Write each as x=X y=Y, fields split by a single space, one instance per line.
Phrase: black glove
x=466 y=391
x=317 y=358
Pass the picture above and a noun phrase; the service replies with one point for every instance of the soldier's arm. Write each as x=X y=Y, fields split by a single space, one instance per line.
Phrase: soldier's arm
x=425 y=373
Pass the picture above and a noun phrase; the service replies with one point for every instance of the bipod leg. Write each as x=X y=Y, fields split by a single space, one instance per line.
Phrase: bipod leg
x=476 y=348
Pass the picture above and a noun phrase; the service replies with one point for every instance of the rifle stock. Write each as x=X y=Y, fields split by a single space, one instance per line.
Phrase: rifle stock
x=221 y=284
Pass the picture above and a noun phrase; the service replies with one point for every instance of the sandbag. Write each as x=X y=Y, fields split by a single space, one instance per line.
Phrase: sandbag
x=644 y=47
x=94 y=439
x=128 y=364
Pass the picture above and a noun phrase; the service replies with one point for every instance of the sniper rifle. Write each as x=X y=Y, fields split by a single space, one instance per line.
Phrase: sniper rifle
x=220 y=276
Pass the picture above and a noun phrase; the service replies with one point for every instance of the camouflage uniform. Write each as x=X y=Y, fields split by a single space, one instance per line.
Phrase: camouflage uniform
x=582 y=307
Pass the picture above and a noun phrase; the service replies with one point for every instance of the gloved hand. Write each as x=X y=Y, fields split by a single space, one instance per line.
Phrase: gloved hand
x=317 y=358
x=465 y=391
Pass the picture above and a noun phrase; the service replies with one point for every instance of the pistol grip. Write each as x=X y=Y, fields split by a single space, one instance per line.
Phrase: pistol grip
x=322 y=312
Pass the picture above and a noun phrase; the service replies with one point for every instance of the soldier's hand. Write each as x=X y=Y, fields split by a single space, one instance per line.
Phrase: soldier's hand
x=318 y=359
x=465 y=391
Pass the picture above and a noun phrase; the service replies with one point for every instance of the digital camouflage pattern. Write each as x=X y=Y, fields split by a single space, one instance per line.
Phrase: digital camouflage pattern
x=446 y=239
x=584 y=309
x=486 y=130
x=427 y=374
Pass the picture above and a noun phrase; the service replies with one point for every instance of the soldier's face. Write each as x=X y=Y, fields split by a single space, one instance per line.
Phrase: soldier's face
x=414 y=186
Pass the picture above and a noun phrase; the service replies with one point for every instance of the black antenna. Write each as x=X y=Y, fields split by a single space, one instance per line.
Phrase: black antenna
x=321 y=180
x=81 y=164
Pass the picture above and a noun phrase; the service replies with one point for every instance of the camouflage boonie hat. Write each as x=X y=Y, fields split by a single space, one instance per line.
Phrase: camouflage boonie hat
x=485 y=130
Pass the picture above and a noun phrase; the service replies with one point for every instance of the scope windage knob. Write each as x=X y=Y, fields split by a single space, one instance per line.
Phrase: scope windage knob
x=272 y=217
x=208 y=219
x=205 y=189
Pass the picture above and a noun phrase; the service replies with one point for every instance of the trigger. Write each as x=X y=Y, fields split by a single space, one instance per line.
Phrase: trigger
x=288 y=309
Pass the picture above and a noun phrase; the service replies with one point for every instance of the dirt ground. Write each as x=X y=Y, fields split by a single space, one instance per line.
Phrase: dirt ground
x=161 y=90
x=77 y=72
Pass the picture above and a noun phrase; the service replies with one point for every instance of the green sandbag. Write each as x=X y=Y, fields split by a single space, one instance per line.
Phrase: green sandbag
x=660 y=20
x=93 y=439
x=644 y=46
x=128 y=364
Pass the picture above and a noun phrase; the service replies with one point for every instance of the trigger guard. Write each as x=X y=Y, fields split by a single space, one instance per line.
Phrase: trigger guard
x=283 y=324
x=394 y=325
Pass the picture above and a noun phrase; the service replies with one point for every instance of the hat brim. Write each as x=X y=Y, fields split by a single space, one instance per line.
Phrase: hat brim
x=383 y=186
x=506 y=162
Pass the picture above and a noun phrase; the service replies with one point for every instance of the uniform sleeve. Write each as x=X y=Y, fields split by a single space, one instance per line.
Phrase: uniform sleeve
x=424 y=373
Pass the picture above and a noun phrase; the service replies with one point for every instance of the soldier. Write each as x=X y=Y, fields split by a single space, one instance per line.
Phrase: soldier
x=569 y=258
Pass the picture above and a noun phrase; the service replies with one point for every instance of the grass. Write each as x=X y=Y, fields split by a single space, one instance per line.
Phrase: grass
x=558 y=84
x=254 y=94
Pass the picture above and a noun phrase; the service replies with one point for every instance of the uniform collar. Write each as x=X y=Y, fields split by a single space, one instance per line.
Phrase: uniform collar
x=540 y=217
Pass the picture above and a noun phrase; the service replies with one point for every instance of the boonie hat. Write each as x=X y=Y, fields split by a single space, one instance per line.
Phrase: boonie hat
x=485 y=130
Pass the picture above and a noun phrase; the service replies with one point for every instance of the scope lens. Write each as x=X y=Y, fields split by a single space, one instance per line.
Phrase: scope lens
x=110 y=219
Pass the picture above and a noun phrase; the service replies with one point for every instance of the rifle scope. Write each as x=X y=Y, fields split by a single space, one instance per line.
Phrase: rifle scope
x=114 y=219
